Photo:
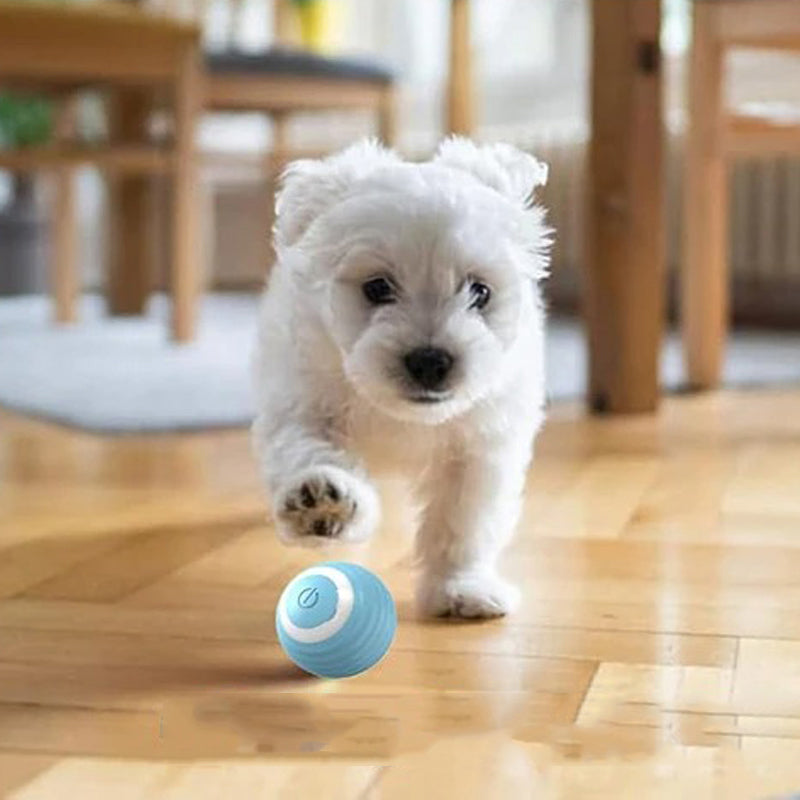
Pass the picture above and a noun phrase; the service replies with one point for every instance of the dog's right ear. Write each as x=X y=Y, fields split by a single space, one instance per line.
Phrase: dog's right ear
x=514 y=174
x=310 y=187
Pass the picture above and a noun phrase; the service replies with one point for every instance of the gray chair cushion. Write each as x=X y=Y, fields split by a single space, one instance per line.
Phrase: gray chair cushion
x=284 y=61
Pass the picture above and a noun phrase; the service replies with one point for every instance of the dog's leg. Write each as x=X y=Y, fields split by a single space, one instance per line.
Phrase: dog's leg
x=318 y=492
x=473 y=505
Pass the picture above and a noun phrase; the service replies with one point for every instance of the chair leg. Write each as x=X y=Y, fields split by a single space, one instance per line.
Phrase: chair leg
x=130 y=212
x=64 y=246
x=184 y=265
x=280 y=142
x=64 y=222
x=387 y=117
x=130 y=244
x=704 y=279
x=459 y=106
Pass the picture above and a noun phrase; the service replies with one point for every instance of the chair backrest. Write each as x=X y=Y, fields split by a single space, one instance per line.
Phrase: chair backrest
x=771 y=24
x=283 y=27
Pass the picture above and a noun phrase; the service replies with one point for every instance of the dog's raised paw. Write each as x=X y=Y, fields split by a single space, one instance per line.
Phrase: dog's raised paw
x=324 y=504
x=466 y=596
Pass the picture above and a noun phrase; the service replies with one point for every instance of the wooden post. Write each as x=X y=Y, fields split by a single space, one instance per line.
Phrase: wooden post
x=184 y=264
x=130 y=211
x=283 y=36
x=459 y=111
x=625 y=220
x=65 y=246
x=704 y=276
x=64 y=226
x=280 y=143
x=387 y=116
x=283 y=23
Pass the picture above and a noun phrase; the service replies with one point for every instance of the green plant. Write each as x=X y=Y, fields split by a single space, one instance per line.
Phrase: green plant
x=25 y=120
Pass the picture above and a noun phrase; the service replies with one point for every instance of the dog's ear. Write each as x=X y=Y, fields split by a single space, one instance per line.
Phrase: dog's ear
x=310 y=187
x=516 y=175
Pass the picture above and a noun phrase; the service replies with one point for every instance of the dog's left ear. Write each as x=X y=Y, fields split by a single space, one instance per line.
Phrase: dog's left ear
x=310 y=187
x=514 y=174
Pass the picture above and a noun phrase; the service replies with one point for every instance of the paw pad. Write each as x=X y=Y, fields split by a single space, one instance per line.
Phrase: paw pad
x=318 y=508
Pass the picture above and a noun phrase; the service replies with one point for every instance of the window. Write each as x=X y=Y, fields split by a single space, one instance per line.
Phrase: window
x=676 y=27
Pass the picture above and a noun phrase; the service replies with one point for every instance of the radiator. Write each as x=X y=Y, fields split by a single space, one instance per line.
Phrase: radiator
x=764 y=209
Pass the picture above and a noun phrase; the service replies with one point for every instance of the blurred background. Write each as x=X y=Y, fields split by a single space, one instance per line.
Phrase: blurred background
x=95 y=229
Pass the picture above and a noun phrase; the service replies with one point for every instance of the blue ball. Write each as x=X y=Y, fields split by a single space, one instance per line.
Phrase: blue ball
x=336 y=619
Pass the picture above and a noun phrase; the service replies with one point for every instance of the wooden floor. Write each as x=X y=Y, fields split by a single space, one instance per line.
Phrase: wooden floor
x=657 y=653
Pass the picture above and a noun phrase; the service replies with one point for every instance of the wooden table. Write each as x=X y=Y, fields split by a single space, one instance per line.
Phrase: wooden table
x=625 y=234
x=60 y=50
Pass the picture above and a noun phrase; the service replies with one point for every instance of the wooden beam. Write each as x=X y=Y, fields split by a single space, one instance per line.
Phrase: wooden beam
x=114 y=159
x=754 y=23
x=272 y=93
x=625 y=223
x=102 y=42
x=748 y=136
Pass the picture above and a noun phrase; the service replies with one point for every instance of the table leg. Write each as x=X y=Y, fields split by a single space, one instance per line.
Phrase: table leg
x=625 y=222
x=131 y=232
x=185 y=281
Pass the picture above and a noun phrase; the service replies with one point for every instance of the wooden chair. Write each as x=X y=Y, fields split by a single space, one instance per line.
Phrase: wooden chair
x=60 y=50
x=280 y=81
x=284 y=79
x=715 y=135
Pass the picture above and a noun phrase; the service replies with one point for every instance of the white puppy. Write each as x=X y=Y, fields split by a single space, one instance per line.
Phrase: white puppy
x=403 y=319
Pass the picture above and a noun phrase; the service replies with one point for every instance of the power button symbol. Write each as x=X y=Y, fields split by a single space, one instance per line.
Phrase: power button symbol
x=308 y=598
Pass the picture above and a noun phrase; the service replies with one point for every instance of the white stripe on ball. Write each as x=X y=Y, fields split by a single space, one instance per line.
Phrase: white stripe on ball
x=344 y=607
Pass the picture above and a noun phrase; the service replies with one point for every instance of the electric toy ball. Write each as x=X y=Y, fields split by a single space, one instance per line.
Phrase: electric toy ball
x=336 y=620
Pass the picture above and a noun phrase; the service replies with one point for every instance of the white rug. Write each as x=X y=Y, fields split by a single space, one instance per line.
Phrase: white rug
x=123 y=375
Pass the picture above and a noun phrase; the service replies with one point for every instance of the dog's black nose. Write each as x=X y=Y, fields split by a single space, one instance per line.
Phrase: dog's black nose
x=428 y=366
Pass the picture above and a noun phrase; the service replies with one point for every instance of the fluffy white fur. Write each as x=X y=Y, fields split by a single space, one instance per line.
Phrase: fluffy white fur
x=332 y=391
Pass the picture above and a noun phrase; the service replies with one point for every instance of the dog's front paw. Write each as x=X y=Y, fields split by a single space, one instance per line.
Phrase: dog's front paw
x=468 y=595
x=322 y=504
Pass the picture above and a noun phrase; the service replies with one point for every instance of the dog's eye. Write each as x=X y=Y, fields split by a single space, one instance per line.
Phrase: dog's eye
x=479 y=294
x=379 y=291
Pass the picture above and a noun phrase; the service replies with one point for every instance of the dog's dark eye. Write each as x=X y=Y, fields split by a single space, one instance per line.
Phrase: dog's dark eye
x=479 y=294
x=379 y=291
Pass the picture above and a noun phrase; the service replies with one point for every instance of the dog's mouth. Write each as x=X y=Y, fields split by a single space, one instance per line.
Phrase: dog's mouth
x=429 y=398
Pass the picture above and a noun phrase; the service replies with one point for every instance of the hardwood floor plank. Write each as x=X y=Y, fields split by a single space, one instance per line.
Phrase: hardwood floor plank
x=17 y=771
x=96 y=779
x=599 y=502
x=133 y=563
